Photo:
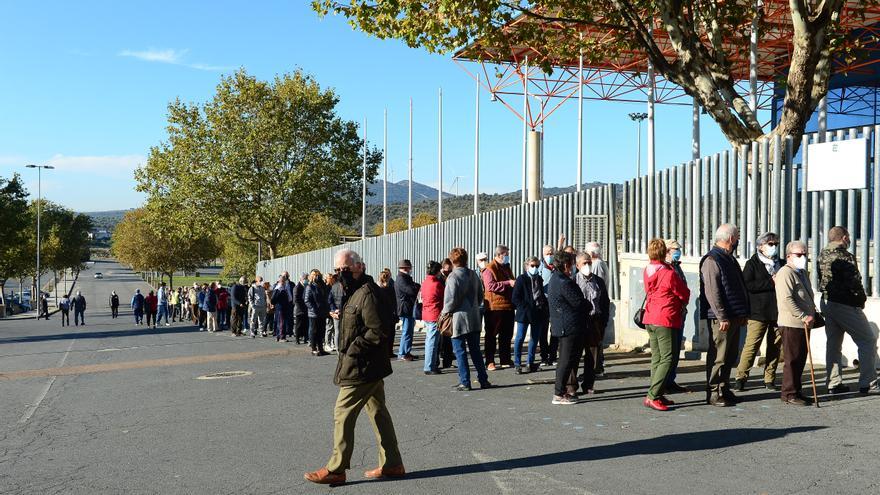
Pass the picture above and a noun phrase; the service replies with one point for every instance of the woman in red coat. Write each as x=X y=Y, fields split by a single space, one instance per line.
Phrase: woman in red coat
x=432 y=302
x=666 y=297
x=151 y=306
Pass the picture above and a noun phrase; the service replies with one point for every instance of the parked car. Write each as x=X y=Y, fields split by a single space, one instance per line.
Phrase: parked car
x=99 y=275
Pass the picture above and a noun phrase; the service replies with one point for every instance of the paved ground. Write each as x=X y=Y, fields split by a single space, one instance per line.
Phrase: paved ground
x=127 y=414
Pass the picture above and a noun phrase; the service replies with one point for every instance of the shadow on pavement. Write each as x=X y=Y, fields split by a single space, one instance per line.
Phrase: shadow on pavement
x=101 y=335
x=681 y=442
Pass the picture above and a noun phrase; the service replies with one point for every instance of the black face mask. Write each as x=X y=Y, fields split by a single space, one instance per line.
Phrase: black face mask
x=346 y=278
x=733 y=247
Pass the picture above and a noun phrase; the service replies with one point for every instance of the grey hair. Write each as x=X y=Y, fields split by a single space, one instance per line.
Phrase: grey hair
x=501 y=249
x=348 y=254
x=583 y=256
x=594 y=249
x=546 y=247
x=794 y=244
x=725 y=232
x=765 y=238
x=530 y=260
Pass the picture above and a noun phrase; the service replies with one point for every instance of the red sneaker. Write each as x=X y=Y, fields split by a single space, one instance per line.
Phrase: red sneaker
x=656 y=404
x=665 y=401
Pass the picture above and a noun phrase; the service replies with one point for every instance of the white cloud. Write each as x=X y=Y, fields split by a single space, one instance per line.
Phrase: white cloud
x=169 y=56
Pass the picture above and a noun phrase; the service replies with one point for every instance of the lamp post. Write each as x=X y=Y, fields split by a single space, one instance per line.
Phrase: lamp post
x=39 y=207
x=638 y=117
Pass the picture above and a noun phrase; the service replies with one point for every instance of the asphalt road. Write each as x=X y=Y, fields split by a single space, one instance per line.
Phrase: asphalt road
x=114 y=408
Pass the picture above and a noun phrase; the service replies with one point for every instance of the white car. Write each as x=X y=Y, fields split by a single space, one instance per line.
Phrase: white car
x=99 y=275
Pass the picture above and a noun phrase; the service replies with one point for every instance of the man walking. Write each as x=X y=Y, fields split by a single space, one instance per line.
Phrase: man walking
x=162 y=298
x=64 y=306
x=498 y=281
x=79 y=309
x=137 y=306
x=256 y=303
x=363 y=364
x=407 y=290
x=724 y=303
x=843 y=301
x=114 y=304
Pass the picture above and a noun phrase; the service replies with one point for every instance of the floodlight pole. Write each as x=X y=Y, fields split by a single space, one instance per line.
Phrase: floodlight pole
x=440 y=155
x=409 y=224
x=525 y=117
x=477 y=152
x=385 y=176
x=580 y=139
x=364 y=187
x=37 y=288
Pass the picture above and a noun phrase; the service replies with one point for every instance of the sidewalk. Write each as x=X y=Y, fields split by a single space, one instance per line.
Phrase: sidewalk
x=31 y=315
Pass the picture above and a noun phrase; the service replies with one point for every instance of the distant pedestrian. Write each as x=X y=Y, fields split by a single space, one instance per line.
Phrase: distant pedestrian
x=673 y=259
x=174 y=305
x=386 y=285
x=318 y=308
x=599 y=308
x=223 y=306
x=498 y=281
x=137 y=306
x=114 y=304
x=432 y=303
x=759 y=275
x=162 y=303
x=282 y=302
x=44 y=307
x=337 y=302
x=406 y=290
x=666 y=295
x=330 y=332
x=299 y=326
x=532 y=314
x=843 y=303
x=256 y=303
x=202 y=296
x=193 y=297
x=270 y=308
x=211 y=307
x=568 y=322
x=151 y=307
x=724 y=303
x=461 y=300
x=78 y=304
x=64 y=306
x=238 y=302
x=447 y=356
x=549 y=343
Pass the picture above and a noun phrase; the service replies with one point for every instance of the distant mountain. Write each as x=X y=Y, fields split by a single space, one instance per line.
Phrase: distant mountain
x=398 y=192
x=106 y=220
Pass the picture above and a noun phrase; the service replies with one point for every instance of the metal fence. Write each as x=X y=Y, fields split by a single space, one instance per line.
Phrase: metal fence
x=759 y=188
x=523 y=228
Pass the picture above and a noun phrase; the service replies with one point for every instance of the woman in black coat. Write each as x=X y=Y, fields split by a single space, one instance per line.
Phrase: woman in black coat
x=568 y=323
x=759 y=274
x=318 y=307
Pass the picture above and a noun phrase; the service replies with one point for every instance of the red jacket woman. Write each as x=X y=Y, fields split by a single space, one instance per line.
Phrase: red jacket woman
x=667 y=296
x=432 y=297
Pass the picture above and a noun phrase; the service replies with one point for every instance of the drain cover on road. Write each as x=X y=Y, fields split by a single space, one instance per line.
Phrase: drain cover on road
x=225 y=374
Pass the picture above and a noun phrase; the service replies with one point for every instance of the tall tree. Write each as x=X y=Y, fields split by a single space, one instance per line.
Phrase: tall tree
x=64 y=239
x=259 y=159
x=15 y=227
x=704 y=37
x=147 y=243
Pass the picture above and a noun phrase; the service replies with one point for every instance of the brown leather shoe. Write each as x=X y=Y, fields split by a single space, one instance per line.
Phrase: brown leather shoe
x=325 y=477
x=385 y=472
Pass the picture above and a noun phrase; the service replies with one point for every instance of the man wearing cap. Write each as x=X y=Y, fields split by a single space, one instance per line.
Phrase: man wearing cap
x=406 y=290
x=498 y=281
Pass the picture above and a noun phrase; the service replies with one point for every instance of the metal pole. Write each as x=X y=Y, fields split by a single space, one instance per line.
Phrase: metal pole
x=259 y=251
x=580 y=140
x=364 y=187
x=385 y=175
x=639 y=150
x=440 y=155
x=650 y=119
x=695 y=132
x=409 y=192
x=477 y=153
x=753 y=59
x=823 y=119
x=38 y=289
x=525 y=127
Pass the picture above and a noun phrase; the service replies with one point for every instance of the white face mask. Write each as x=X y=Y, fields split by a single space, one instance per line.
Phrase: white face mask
x=586 y=270
x=771 y=251
x=799 y=262
x=481 y=264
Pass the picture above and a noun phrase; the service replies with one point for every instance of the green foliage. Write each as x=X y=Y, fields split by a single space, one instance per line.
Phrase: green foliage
x=147 y=241
x=259 y=160
x=14 y=228
x=321 y=232
x=239 y=257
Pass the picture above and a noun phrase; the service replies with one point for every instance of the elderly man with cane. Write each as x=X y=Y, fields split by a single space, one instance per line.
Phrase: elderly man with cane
x=797 y=312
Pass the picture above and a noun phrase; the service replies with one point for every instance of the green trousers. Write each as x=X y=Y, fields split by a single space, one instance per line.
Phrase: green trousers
x=755 y=331
x=661 y=358
x=369 y=396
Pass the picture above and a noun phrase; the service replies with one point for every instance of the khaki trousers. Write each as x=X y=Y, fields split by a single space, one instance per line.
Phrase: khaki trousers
x=349 y=402
x=721 y=357
x=754 y=335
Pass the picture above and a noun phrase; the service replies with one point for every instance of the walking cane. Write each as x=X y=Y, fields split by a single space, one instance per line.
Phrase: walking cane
x=812 y=373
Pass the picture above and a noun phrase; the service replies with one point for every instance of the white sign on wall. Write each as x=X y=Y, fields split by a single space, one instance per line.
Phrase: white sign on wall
x=837 y=165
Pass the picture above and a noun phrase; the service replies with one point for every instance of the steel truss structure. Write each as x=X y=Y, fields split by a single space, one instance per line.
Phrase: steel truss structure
x=625 y=78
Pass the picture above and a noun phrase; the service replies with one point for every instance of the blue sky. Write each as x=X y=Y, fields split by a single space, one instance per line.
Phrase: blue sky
x=85 y=86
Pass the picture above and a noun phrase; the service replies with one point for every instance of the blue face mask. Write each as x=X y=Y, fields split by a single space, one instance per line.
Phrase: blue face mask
x=676 y=255
x=506 y=260
x=548 y=259
x=533 y=270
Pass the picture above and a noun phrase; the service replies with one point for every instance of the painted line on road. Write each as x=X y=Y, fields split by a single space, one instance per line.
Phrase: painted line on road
x=29 y=412
x=132 y=365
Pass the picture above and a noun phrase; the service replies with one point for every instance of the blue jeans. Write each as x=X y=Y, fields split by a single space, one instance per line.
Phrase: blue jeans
x=407 y=325
x=432 y=346
x=472 y=341
x=535 y=332
x=138 y=316
x=163 y=311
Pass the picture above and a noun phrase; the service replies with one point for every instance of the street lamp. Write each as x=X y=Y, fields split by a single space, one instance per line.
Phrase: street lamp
x=39 y=168
x=639 y=117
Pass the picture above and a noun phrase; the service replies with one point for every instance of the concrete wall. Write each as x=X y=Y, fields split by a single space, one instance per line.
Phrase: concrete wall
x=627 y=335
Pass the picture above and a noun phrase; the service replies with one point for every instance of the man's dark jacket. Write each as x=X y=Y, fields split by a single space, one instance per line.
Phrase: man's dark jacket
x=365 y=327
x=407 y=291
x=839 y=277
x=529 y=310
x=299 y=300
x=568 y=308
